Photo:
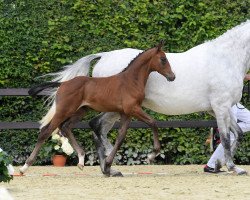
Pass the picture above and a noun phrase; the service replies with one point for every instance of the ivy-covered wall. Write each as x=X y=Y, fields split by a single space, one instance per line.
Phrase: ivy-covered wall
x=40 y=36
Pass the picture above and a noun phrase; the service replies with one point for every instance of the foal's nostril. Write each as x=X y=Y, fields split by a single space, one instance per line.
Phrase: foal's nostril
x=170 y=78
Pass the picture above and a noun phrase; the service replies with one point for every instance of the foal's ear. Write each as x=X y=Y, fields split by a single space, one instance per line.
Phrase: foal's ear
x=160 y=45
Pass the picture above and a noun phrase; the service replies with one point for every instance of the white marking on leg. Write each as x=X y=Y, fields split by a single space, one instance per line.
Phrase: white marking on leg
x=24 y=168
x=81 y=159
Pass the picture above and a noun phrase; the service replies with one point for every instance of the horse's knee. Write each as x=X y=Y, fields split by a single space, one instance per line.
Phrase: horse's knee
x=225 y=142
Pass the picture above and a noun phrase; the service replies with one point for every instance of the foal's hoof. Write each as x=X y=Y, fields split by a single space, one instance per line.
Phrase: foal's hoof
x=21 y=172
x=80 y=166
x=115 y=173
x=151 y=158
x=23 y=169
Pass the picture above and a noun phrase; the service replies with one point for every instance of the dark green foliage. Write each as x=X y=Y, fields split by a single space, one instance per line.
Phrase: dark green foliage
x=41 y=36
x=5 y=160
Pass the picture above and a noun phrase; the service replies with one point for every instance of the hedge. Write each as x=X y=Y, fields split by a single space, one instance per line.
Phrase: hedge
x=40 y=36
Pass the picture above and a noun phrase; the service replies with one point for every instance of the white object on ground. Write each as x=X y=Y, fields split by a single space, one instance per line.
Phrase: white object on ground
x=4 y=194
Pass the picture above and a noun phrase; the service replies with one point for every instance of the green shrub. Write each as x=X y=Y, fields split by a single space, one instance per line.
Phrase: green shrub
x=5 y=160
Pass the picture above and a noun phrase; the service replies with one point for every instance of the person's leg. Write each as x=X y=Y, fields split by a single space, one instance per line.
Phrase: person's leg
x=243 y=116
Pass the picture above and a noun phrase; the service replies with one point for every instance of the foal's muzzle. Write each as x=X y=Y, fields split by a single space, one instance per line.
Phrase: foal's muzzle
x=170 y=77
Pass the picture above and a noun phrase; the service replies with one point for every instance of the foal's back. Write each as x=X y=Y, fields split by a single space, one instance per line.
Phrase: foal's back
x=101 y=94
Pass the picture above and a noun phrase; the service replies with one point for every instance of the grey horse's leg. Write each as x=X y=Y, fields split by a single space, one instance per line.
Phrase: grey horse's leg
x=101 y=125
x=236 y=130
x=224 y=120
x=238 y=134
x=100 y=151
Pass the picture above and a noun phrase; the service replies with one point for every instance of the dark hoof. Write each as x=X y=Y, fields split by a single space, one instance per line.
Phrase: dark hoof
x=114 y=173
x=106 y=168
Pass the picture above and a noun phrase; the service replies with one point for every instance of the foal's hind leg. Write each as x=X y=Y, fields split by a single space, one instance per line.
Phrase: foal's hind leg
x=45 y=132
x=66 y=129
x=142 y=116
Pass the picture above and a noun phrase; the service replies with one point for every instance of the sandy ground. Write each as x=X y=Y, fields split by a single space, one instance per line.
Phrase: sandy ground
x=139 y=182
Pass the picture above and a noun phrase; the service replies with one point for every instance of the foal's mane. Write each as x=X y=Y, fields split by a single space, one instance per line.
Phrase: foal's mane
x=132 y=61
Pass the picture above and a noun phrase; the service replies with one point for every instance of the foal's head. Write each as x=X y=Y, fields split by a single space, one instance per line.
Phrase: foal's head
x=159 y=63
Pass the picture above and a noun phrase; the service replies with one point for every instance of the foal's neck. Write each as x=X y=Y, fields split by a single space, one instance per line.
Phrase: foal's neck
x=140 y=69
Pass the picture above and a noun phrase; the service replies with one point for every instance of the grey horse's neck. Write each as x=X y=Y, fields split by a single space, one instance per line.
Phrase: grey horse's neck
x=235 y=44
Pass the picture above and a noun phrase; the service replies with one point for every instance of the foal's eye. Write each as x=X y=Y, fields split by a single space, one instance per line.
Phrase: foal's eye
x=163 y=60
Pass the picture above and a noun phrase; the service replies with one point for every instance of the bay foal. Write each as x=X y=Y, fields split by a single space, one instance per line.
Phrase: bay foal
x=122 y=93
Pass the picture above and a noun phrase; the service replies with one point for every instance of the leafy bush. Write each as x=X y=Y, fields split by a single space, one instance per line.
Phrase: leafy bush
x=5 y=160
x=40 y=36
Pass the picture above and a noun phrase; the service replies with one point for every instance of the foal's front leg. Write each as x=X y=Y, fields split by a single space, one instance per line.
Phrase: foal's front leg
x=142 y=116
x=125 y=120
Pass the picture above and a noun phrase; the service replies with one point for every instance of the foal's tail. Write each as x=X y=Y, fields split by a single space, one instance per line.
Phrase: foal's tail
x=79 y=68
x=37 y=89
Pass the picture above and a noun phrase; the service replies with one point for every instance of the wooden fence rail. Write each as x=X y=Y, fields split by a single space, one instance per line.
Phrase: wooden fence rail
x=84 y=125
x=134 y=124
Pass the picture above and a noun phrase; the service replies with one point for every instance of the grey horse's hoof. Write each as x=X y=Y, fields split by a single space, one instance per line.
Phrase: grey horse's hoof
x=242 y=173
x=115 y=173
x=238 y=170
x=107 y=171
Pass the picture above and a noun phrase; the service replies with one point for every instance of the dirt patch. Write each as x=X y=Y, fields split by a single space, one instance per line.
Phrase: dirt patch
x=139 y=182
